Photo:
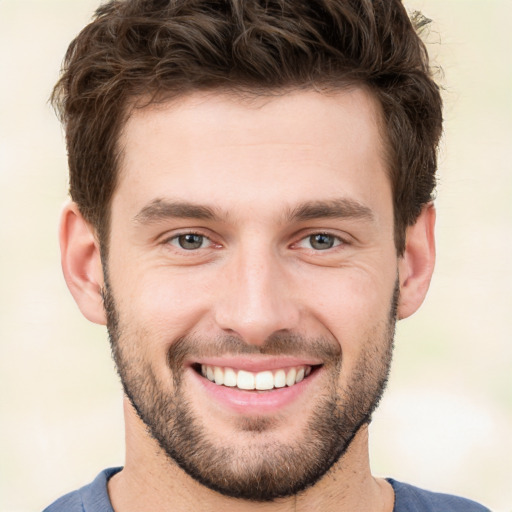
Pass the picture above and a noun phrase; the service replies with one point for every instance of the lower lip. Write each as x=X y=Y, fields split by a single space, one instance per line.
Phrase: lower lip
x=255 y=402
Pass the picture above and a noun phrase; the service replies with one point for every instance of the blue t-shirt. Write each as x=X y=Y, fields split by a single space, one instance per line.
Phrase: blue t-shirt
x=94 y=498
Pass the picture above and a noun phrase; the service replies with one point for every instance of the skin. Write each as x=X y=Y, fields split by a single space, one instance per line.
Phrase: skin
x=252 y=162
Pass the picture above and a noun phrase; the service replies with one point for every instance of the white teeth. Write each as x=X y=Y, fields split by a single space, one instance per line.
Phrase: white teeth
x=262 y=381
x=245 y=380
x=280 y=379
x=229 y=377
x=219 y=375
x=290 y=377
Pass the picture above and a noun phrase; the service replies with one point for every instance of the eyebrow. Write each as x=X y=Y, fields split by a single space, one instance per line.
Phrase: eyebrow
x=160 y=209
x=331 y=209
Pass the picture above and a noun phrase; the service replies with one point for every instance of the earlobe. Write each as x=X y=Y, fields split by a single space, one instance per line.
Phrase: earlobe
x=81 y=263
x=417 y=263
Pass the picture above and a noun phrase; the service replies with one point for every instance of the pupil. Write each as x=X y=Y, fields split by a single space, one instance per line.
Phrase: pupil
x=190 y=241
x=321 y=241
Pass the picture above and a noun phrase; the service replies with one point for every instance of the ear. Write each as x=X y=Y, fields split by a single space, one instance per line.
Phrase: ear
x=416 y=265
x=81 y=263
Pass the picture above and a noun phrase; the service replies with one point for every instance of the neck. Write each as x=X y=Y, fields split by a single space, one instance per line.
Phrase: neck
x=150 y=481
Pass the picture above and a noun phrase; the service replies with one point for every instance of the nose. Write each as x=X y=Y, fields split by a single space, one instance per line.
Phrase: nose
x=257 y=300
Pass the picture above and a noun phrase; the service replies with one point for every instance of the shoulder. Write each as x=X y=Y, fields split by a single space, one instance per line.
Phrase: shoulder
x=90 y=498
x=412 y=499
x=70 y=502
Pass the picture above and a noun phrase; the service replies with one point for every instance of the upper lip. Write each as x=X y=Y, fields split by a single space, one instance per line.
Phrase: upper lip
x=256 y=364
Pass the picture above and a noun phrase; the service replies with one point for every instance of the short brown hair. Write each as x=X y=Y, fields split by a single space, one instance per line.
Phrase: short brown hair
x=166 y=48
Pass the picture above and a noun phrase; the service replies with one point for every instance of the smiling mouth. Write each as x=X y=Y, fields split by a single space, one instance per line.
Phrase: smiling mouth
x=259 y=381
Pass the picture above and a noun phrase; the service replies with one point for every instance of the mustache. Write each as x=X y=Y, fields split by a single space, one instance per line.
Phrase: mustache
x=278 y=344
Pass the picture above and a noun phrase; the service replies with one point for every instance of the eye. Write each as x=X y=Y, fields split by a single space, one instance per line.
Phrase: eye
x=190 y=241
x=320 y=241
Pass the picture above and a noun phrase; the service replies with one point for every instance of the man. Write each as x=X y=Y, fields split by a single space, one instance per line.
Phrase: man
x=251 y=212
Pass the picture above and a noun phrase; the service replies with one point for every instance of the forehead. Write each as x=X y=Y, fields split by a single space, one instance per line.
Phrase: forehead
x=225 y=151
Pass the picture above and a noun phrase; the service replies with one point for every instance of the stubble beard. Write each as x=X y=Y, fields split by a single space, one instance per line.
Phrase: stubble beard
x=265 y=471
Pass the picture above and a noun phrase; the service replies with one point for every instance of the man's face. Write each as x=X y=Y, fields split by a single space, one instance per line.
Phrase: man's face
x=251 y=291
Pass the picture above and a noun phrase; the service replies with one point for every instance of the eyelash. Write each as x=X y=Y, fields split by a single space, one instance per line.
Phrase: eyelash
x=336 y=240
x=175 y=241
x=176 y=238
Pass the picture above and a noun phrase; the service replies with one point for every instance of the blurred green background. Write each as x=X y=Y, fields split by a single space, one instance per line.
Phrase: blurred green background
x=446 y=421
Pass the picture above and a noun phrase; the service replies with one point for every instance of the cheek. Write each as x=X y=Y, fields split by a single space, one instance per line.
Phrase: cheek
x=163 y=304
x=354 y=307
